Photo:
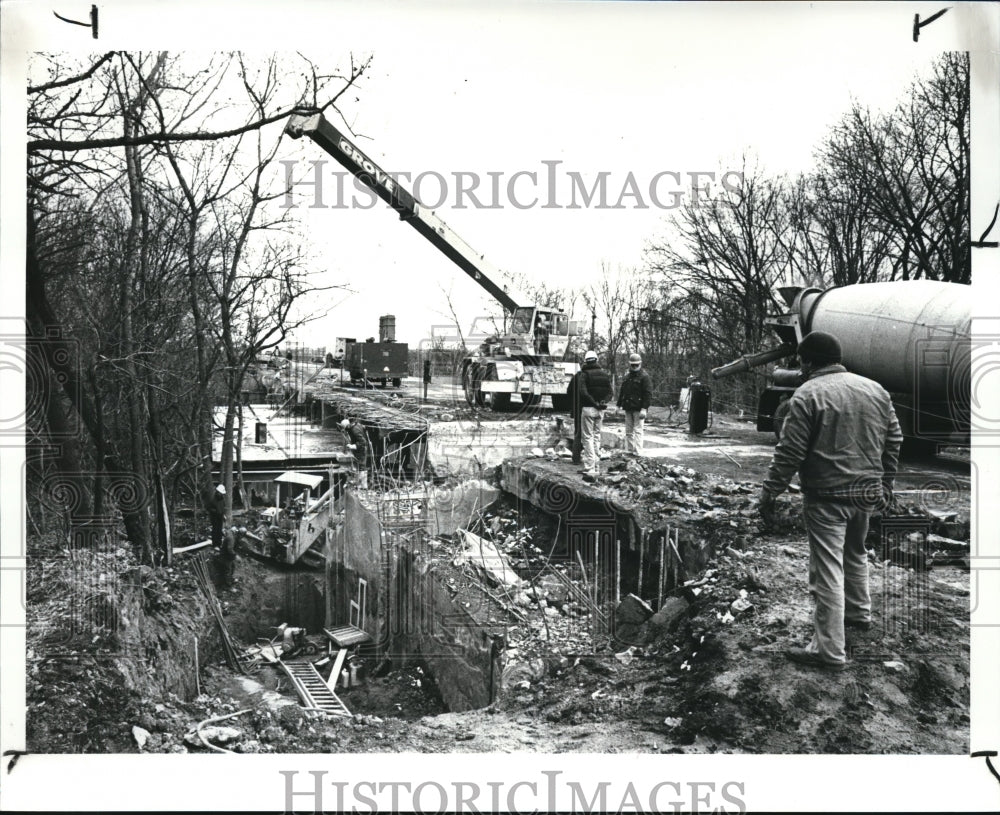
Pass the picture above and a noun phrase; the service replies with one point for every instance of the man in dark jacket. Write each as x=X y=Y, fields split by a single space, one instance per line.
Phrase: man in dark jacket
x=215 y=503
x=842 y=436
x=573 y=392
x=226 y=558
x=593 y=391
x=357 y=443
x=634 y=397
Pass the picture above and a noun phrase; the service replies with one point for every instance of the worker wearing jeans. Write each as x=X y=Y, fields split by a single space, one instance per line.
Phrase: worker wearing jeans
x=593 y=390
x=634 y=398
x=838 y=573
x=842 y=435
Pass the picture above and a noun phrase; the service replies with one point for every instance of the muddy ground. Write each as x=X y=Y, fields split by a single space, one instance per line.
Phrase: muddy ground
x=714 y=682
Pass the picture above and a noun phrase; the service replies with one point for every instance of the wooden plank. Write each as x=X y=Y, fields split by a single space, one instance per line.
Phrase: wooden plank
x=346 y=635
x=338 y=665
x=193 y=547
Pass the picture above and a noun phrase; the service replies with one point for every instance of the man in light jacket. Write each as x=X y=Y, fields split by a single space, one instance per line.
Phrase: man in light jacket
x=842 y=436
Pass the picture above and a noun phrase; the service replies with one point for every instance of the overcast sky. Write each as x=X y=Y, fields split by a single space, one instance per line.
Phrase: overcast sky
x=615 y=88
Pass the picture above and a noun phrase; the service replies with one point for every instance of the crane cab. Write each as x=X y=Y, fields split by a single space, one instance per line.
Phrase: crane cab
x=538 y=332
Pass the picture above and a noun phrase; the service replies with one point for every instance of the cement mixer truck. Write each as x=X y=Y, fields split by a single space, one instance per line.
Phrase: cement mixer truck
x=913 y=337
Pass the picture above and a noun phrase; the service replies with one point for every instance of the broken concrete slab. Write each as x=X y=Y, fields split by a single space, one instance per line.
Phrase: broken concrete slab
x=483 y=556
x=949 y=544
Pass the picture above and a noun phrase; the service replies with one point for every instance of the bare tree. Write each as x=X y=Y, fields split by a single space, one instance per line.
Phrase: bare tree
x=912 y=166
x=614 y=299
x=133 y=364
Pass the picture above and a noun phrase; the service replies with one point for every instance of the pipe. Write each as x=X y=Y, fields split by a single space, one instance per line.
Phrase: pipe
x=748 y=361
x=205 y=741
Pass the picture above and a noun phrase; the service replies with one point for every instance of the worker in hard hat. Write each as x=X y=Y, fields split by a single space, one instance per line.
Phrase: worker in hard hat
x=357 y=443
x=634 y=397
x=593 y=390
x=215 y=504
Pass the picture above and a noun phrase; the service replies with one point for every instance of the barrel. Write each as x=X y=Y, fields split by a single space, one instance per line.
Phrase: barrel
x=701 y=400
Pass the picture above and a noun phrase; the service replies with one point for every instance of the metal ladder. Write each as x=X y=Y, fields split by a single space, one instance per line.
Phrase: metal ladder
x=312 y=690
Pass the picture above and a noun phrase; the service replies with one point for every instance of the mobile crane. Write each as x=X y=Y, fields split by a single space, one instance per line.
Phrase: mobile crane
x=526 y=359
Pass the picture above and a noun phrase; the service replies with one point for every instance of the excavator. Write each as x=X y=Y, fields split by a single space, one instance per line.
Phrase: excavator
x=528 y=357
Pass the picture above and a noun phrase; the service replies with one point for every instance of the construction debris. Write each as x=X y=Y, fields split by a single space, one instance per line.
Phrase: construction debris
x=233 y=657
x=484 y=557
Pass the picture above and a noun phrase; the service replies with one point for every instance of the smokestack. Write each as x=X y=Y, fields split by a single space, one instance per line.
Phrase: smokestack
x=387 y=328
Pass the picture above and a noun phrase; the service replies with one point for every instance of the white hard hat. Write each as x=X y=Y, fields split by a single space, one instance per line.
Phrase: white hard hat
x=345 y=422
x=221 y=489
x=590 y=356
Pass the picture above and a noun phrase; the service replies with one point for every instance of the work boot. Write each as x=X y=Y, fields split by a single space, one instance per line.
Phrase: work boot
x=590 y=477
x=858 y=625
x=811 y=659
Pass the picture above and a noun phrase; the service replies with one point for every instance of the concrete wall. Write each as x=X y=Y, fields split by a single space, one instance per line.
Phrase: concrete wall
x=414 y=610
x=472 y=447
x=459 y=645
x=356 y=551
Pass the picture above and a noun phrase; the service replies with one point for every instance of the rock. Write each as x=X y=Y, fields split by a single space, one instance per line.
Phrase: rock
x=147 y=722
x=530 y=671
x=215 y=735
x=632 y=609
x=894 y=666
x=141 y=735
x=553 y=589
x=670 y=615
x=627 y=656
x=740 y=605
x=551 y=611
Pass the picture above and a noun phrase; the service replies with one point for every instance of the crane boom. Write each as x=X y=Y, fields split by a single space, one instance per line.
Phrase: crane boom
x=409 y=208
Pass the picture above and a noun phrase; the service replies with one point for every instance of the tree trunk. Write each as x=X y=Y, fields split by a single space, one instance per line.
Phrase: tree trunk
x=62 y=361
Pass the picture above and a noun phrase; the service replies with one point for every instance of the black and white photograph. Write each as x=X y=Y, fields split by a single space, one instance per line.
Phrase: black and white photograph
x=437 y=406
